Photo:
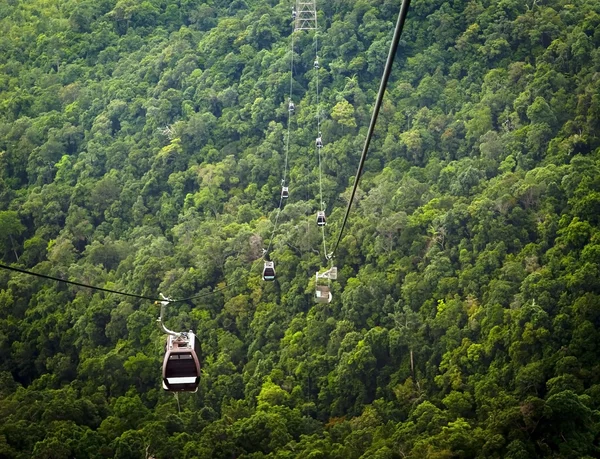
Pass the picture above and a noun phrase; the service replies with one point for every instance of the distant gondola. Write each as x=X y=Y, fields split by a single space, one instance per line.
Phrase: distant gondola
x=321 y=220
x=319 y=141
x=269 y=271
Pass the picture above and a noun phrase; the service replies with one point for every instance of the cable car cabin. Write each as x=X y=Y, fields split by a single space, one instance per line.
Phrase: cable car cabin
x=181 y=367
x=319 y=142
x=291 y=107
x=321 y=221
x=285 y=193
x=323 y=294
x=316 y=64
x=269 y=271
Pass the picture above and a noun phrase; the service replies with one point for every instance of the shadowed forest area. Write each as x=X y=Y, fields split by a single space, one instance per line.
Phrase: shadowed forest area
x=141 y=150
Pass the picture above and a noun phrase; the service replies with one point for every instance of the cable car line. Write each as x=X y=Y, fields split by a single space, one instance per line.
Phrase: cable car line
x=284 y=188
x=275 y=224
x=321 y=218
x=383 y=85
x=117 y=292
x=291 y=109
x=322 y=291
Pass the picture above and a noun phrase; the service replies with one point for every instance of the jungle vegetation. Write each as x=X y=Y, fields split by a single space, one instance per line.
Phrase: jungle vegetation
x=141 y=149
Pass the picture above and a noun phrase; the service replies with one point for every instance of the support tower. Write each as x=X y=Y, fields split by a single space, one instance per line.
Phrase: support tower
x=306 y=15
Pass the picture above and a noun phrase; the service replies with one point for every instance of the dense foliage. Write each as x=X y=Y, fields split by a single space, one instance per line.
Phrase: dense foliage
x=141 y=149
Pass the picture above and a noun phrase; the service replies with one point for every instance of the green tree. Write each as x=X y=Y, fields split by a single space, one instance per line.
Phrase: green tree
x=11 y=230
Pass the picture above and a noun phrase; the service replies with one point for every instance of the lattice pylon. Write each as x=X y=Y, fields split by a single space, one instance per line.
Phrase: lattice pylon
x=306 y=15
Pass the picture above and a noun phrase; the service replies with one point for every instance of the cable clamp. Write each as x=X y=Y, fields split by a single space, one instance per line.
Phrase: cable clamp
x=166 y=300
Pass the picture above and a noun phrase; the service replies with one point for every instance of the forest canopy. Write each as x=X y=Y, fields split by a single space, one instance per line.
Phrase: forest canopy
x=142 y=146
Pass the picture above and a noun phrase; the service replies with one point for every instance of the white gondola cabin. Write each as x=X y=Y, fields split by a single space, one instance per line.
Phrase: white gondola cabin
x=319 y=142
x=285 y=192
x=321 y=220
x=269 y=271
x=291 y=107
x=316 y=64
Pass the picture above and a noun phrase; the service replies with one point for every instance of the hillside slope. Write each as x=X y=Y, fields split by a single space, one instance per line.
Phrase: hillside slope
x=141 y=149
